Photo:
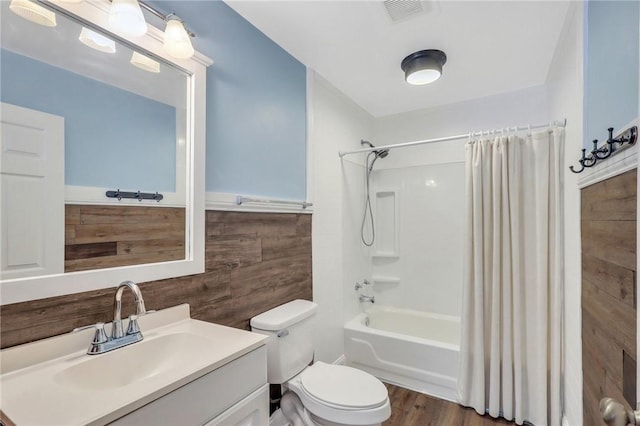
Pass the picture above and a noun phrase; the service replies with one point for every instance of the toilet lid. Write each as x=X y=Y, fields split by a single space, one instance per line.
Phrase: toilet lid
x=343 y=386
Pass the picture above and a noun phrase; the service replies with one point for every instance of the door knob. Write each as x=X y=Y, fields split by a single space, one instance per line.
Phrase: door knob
x=615 y=414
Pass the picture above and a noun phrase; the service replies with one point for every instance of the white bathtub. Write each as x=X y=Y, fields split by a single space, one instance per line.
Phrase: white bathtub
x=416 y=350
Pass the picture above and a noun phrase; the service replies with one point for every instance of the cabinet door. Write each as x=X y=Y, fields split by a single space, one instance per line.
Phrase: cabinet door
x=251 y=411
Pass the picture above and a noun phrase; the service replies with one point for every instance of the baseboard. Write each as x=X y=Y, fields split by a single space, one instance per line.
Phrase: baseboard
x=340 y=361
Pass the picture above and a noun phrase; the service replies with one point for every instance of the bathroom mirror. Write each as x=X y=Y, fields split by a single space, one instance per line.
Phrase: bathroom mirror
x=130 y=118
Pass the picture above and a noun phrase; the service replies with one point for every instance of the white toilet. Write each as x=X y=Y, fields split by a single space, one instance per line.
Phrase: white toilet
x=320 y=394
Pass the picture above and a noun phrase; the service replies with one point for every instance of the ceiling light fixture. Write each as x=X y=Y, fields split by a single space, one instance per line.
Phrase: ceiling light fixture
x=33 y=12
x=126 y=17
x=145 y=63
x=423 y=67
x=97 y=41
x=177 y=41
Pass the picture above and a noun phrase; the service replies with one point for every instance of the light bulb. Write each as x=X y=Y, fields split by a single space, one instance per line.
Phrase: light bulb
x=176 y=40
x=126 y=17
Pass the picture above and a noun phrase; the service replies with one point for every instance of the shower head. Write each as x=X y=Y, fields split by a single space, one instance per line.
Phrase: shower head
x=380 y=153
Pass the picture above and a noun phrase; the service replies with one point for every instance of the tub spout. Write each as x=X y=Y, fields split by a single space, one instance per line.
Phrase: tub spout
x=370 y=299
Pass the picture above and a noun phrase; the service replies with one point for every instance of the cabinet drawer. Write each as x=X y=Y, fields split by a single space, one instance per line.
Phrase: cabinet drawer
x=206 y=397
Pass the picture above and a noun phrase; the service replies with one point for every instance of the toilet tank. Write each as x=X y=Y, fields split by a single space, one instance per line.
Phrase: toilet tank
x=290 y=343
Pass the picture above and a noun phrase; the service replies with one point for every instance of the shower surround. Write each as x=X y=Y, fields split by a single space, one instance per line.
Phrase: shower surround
x=414 y=266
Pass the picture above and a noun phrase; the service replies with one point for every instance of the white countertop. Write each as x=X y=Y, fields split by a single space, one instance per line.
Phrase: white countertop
x=33 y=390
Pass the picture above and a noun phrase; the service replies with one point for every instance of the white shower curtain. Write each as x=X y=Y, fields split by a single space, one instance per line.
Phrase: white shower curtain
x=510 y=355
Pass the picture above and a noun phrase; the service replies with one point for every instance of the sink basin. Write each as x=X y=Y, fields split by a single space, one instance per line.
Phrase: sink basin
x=133 y=363
x=54 y=382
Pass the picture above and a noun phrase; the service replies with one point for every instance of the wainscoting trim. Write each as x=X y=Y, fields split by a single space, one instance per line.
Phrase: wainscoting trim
x=254 y=262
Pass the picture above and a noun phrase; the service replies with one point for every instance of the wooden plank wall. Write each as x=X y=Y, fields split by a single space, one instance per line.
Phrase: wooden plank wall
x=608 y=293
x=107 y=236
x=254 y=262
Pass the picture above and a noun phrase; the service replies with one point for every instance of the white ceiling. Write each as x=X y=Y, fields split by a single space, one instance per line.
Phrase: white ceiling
x=492 y=46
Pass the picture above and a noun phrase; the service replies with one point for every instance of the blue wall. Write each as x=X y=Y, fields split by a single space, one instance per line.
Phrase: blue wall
x=256 y=104
x=611 y=67
x=113 y=138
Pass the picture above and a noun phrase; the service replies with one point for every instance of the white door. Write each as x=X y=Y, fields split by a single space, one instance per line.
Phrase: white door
x=31 y=192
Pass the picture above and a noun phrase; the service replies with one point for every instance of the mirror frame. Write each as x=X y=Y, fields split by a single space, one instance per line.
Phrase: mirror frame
x=96 y=12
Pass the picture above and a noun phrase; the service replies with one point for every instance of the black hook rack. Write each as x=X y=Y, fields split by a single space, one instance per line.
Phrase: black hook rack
x=628 y=137
x=135 y=195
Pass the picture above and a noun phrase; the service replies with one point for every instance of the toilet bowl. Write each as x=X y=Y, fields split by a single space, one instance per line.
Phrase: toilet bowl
x=319 y=394
x=340 y=395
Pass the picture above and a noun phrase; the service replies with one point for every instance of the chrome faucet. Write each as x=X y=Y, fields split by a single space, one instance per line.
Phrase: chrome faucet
x=118 y=339
x=116 y=330
x=370 y=299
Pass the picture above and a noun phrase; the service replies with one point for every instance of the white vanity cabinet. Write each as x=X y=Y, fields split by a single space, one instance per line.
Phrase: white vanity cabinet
x=184 y=372
x=236 y=393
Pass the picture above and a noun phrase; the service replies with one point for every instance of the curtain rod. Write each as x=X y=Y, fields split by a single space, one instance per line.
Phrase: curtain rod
x=561 y=123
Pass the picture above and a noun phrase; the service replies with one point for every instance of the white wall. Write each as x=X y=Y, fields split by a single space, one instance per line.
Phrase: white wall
x=337 y=123
x=565 y=94
x=528 y=106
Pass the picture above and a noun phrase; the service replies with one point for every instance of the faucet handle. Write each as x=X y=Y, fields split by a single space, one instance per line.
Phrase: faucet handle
x=99 y=340
x=364 y=284
x=133 y=327
x=100 y=336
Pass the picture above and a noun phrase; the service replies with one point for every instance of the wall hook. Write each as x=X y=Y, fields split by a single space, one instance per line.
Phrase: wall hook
x=135 y=195
x=629 y=137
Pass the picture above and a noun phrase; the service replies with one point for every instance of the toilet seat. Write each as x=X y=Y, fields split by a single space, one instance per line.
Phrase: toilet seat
x=342 y=394
x=343 y=387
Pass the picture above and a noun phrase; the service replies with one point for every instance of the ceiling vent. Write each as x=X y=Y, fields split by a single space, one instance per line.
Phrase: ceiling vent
x=399 y=10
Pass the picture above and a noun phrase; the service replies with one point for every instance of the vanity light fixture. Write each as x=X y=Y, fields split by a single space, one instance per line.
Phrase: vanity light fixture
x=423 y=67
x=97 y=41
x=126 y=17
x=177 y=41
x=144 y=62
x=33 y=12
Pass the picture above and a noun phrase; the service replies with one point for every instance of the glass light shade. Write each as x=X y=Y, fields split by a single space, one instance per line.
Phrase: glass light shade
x=145 y=63
x=33 y=12
x=176 y=40
x=97 y=41
x=126 y=17
x=421 y=77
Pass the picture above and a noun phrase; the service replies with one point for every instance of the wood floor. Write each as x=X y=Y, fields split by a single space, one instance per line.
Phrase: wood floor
x=412 y=408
